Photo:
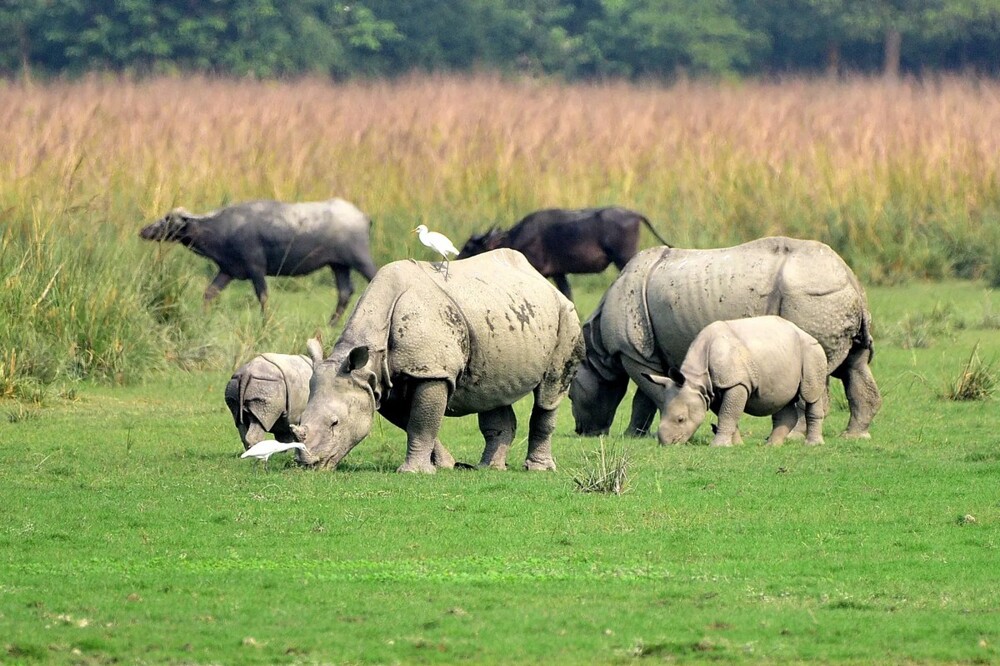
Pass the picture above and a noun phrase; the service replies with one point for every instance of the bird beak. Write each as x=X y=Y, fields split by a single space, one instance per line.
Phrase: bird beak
x=414 y=231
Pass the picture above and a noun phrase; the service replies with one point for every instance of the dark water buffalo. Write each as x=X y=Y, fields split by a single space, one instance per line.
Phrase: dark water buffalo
x=557 y=241
x=258 y=238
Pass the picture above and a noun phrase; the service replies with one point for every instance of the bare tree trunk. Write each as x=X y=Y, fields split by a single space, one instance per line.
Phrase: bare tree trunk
x=832 y=58
x=893 y=42
x=24 y=46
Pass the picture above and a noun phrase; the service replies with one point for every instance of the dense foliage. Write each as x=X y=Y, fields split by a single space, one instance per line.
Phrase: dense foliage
x=572 y=39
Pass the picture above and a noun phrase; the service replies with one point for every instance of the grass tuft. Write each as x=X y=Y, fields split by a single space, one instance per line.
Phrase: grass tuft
x=977 y=381
x=605 y=470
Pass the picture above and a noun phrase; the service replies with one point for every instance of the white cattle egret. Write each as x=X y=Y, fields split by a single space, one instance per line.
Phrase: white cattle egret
x=267 y=448
x=437 y=242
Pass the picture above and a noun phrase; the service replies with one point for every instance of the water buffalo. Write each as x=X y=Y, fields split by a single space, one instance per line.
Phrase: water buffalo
x=557 y=241
x=257 y=238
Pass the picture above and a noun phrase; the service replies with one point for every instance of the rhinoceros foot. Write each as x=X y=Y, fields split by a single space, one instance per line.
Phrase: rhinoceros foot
x=425 y=468
x=856 y=434
x=441 y=458
x=539 y=465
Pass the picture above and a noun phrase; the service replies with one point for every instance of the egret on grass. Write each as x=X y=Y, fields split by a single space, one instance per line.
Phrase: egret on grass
x=437 y=242
x=267 y=448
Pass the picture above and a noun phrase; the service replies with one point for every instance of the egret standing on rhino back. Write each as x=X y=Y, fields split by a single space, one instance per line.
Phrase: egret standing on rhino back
x=438 y=242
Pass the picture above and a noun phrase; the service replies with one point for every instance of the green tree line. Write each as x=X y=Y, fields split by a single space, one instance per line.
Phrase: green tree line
x=573 y=40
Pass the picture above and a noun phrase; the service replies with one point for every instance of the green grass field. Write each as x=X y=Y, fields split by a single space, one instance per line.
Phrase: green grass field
x=131 y=533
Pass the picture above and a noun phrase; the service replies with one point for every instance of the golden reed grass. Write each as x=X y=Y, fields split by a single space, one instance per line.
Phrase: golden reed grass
x=708 y=163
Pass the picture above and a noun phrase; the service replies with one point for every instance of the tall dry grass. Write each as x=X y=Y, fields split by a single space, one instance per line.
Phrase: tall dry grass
x=901 y=178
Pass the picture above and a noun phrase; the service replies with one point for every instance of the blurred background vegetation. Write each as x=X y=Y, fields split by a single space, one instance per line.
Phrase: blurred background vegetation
x=573 y=40
x=719 y=120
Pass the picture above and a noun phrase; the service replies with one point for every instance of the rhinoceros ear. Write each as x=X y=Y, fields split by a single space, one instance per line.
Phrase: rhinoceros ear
x=666 y=381
x=358 y=358
x=315 y=348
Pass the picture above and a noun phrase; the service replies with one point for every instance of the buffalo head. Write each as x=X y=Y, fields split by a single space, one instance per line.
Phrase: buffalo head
x=479 y=243
x=170 y=228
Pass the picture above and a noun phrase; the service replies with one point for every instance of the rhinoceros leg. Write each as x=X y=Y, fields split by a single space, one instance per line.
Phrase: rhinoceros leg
x=251 y=432
x=863 y=397
x=345 y=289
x=217 y=284
x=540 y=428
x=734 y=401
x=441 y=457
x=815 y=411
x=782 y=423
x=430 y=398
x=643 y=411
x=498 y=427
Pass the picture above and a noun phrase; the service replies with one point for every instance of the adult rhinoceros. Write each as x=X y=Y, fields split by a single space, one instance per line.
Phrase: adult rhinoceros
x=422 y=344
x=650 y=315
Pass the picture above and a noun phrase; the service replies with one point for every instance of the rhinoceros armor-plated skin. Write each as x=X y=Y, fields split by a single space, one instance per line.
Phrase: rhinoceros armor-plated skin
x=267 y=395
x=760 y=366
x=422 y=344
x=649 y=316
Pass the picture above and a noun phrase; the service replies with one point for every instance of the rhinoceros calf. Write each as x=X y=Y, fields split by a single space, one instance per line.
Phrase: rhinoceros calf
x=249 y=241
x=649 y=316
x=761 y=366
x=420 y=346
x=267 y=395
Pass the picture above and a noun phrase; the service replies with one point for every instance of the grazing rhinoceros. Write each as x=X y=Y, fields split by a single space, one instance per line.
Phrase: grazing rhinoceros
x=420 y=346
x=267 y=395
x=760 y=365
x=258 y=238
x=650 y=315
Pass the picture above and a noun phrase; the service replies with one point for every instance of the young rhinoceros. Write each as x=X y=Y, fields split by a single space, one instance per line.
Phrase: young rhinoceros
x=422 y=344
x=267 y=395
x=761 y=366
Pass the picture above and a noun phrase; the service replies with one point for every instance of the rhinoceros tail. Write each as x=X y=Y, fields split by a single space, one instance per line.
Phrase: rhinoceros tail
x=863 y=339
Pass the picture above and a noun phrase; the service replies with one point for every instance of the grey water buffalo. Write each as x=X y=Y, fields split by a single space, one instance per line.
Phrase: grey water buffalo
x=649 y=316
x=267 y=395
x=760 y=365
x=251 y=240
x=557 y=241
x=420 y=346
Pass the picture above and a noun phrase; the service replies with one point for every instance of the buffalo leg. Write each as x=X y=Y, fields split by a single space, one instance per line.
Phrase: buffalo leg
x=643 y=411
x=260 y=288
x=734 y=401
x=863 y=397
x=498 y=427
x=345 y=289
x=217 y=284
x=562 y=284
x=540 y=429
x=430 y=398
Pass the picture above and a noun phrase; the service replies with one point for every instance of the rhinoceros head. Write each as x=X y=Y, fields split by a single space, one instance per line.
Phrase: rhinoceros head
x=595 y=400
x=684 y=408
x=341 y=407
